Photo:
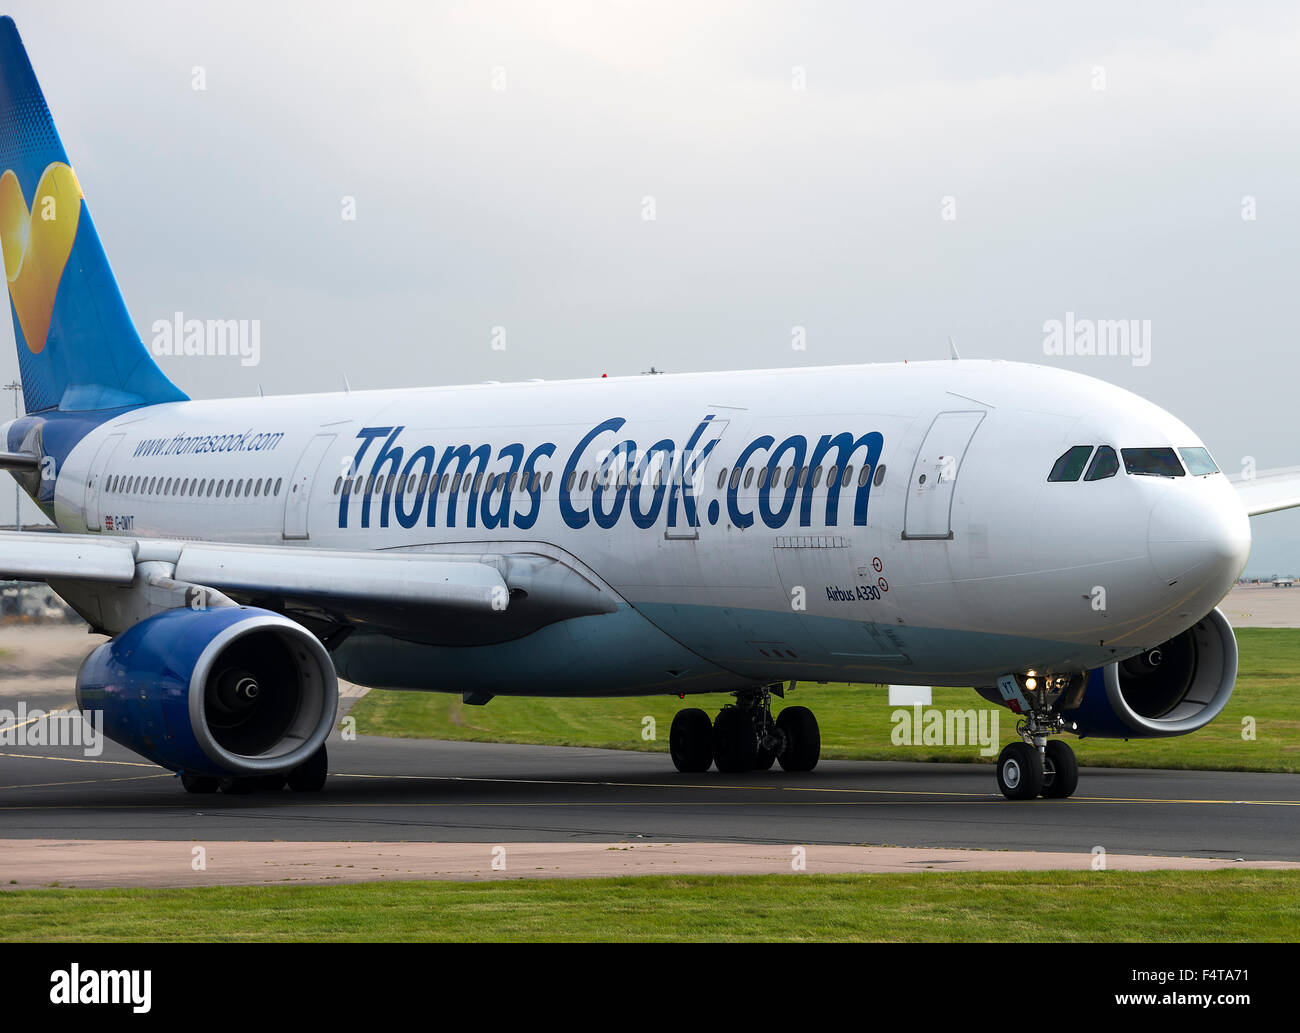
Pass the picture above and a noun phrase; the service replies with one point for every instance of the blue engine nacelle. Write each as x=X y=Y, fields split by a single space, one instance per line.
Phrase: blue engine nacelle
x=228 y=691
x=1173 y=689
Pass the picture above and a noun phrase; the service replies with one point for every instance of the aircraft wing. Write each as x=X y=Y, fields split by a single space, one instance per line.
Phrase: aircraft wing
x=1269 y=490
x=433 y=596
x=262 y=570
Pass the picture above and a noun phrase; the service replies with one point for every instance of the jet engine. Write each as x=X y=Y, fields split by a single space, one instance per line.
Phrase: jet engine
x=228 y=692
x=1175 y=688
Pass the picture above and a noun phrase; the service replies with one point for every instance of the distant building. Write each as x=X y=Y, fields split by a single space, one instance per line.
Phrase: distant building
x=32 y=601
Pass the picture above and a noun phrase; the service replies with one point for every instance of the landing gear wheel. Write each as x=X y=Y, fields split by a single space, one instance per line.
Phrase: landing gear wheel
x=1020 y=771
x=199 y=783
x=735 y=743
x=765 y=759
x=1061 y=771
x=690 y=741
x=238 y=786
x=309 y=776
x=803 y=739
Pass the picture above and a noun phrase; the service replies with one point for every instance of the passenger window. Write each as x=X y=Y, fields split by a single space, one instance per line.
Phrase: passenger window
x=722 y=477
x=880 y=475
x=817 y=477
x=1104 y=464
x=546 y=485
x=1071 y=465
x=1199 y=463
x=1152 y=462
x=749 y=477
x=762 y=478
x=278 y=480
x=735 y=478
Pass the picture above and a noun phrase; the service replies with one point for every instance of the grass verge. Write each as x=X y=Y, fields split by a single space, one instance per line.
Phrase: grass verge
x=856 y=720
x=1216 y=906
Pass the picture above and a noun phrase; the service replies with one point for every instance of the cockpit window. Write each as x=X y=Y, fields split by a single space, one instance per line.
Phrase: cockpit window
x=1070 y=465
x=1104 y=464
x=1198 y=461
x=1152 y=462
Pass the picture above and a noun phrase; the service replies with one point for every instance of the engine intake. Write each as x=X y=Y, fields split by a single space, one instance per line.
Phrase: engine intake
x=226 y=691
x=1175 y=688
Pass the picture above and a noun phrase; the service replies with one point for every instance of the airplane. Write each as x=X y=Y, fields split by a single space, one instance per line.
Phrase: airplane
x=1054 y=541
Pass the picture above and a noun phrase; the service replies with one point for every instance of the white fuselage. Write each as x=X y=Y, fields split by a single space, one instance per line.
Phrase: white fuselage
x=955 y=560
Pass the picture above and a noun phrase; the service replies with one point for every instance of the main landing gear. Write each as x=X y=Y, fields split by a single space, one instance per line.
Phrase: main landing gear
x=1039 y=766
x=307 y=777
x=745 y=738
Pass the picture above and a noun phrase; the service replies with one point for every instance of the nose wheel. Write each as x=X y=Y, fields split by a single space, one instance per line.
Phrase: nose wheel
x=1026 y=771
x=1039 y=766
x=1060 y=770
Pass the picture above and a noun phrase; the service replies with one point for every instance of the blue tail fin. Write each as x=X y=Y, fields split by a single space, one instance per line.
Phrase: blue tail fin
x=77 y=347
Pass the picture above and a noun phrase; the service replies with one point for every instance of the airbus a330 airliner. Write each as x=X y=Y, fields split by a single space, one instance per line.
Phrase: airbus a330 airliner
x=1054 y=541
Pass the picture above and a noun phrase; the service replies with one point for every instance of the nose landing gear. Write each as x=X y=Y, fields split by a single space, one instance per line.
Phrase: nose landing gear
x=1039 y=766
x=744 y=737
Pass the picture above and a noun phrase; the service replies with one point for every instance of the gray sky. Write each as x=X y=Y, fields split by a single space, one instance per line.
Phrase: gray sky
x=821 y=207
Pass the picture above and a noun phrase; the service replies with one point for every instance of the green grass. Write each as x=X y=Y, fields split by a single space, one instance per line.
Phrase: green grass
x=855 y=720
x=934 y=906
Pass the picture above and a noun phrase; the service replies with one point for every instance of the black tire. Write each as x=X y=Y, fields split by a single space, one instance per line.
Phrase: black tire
x=1020 y=771
x=735 y=743
x=690 y=741
x=199 y=783
x=765 y=759
x=238 y=786
x=1064 y=777
x=803 y=739
x=309 y=776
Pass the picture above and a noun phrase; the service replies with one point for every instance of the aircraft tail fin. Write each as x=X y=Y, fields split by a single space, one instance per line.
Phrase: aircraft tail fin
x=77 y=347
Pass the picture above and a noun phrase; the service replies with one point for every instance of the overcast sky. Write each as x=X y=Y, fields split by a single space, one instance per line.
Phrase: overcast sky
x=881 y=178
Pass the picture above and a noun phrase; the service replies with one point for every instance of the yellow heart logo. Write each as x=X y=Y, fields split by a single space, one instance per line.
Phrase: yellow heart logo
x=37 y=245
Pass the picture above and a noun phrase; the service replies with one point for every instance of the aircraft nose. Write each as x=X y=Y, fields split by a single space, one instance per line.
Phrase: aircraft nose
x=1201 y=536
